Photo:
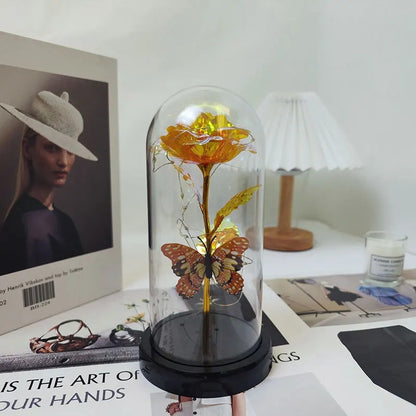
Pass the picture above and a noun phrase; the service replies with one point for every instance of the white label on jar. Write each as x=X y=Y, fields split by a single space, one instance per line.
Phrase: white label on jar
x=383 y=266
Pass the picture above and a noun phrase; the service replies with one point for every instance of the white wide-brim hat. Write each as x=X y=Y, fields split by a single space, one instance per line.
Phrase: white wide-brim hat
x=55 y=119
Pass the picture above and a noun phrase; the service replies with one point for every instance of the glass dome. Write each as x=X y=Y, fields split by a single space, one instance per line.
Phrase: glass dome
x=205 y=175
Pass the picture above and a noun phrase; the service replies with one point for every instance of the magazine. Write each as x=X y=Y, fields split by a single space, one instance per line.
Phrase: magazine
x=59 y=204
x=86 y=360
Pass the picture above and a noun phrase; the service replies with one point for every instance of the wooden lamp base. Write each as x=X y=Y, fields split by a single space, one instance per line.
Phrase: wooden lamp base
x=284 y=237
x=295 y=239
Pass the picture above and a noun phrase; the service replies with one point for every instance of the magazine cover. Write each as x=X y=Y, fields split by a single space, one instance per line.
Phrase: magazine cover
x=59 y=203
x=346 y=299
x=107 y=330
x=86 y=360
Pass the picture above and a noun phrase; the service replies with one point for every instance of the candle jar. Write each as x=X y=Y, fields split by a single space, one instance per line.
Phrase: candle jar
x=205 y=175
x=385 y=257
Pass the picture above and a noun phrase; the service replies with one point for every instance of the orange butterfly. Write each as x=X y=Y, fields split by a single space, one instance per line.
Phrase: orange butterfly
x=192 y=267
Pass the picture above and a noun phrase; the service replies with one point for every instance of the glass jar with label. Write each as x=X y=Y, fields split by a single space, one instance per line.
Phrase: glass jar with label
x=385 y=257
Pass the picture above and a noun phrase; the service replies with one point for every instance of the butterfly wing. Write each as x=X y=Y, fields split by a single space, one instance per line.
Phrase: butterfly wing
x=227 y=261
x=188 y=265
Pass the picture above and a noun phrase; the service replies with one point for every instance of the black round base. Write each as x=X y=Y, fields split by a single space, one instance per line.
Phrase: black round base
x=205 y=381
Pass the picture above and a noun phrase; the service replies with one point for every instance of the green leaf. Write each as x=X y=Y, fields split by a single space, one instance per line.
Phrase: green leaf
x=238 y=199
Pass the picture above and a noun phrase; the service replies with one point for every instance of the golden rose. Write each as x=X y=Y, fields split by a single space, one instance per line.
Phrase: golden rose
x=208 y=140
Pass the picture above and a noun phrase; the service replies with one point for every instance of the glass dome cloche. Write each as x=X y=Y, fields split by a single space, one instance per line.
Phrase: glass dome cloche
x=205 y=195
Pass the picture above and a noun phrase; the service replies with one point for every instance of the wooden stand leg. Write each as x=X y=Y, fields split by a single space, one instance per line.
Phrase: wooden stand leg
x=284 y=237
x=285 y=204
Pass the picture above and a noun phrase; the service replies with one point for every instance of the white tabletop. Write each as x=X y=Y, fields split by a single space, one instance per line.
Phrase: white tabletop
x=334 y=252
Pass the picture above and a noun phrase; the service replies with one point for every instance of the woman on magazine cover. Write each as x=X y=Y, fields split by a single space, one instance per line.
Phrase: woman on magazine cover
x=35 y=231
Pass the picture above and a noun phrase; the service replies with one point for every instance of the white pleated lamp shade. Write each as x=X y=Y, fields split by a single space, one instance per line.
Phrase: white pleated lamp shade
x=301 y=134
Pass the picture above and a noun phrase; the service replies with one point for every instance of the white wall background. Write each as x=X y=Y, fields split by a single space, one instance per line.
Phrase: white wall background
x=366 y=74
x=358 y=55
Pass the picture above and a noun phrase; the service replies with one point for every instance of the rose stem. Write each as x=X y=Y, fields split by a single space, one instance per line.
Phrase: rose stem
x=206 y=170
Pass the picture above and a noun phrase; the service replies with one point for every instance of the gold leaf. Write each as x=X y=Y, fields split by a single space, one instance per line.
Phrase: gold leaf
x=238 y=199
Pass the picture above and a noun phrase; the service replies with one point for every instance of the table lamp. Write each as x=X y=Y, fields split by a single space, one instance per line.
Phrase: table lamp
x=300 y=135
